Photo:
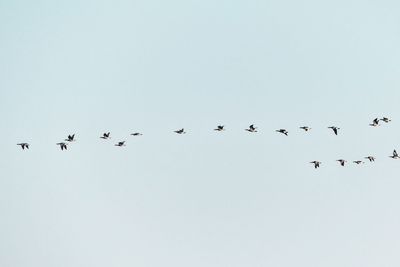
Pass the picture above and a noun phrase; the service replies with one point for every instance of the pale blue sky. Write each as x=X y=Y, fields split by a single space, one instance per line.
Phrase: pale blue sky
x=203 y=199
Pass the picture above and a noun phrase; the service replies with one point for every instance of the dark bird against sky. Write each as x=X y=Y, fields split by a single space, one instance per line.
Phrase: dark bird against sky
x=220 y=128
x=334 y=129
x=180 y=131
x=62 y=145
x=122 y=143
x=105 y=135
x=252 y=129
x=316 y=163
x=282 y=131
x=70 y=138
x=23 y=145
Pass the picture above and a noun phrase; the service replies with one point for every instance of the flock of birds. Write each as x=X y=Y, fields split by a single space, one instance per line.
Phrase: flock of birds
x=251 y=129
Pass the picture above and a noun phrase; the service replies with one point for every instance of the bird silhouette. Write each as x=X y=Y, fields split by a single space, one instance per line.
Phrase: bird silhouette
x=70 y=138
x=394 y=155
x=105 y=135
x=23 y=145
x=334 y=129
x=342 y=161
x=385 y=119
x=136 y=134
x=370 y=158
x=122 y=143
x=374 y=123
x=316 y=163
x=358 y=162
x=282 y=131
x=305 y=128
x=180 y=131
x=252 y=129
x=220 y=128
x=62 y=145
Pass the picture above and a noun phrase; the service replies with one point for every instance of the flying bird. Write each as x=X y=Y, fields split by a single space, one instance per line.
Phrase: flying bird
x=105 y=135
x=62 y=145
x=395 y=155
x=305 y=128
x=23 y=145
x=282 y=131
x=252 y=129
x=316 y=163
x=122 y=143
x=220 y=128
x=180 y=131
x=136 y=134
x=334 y=129
x=370 y=158
x=374 y=123
x=385 y=119
x=342 y=161
x=358 y=162
x=70 y=138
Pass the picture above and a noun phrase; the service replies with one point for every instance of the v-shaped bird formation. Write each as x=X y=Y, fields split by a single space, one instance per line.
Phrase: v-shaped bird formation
x=252 y=129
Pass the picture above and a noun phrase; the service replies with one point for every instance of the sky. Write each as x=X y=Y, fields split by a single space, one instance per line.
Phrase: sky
x=205 y=198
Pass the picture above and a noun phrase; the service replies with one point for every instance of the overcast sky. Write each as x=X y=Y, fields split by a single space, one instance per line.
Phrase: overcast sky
x=205 y=198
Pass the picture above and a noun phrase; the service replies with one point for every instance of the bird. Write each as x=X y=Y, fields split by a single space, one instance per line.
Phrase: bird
x=24 y=145
x=122 y=143
x=70 y=138
x=395 y=155
x=220 y=128
x=334 y=129
x=375 y=122
x=385 y=119
x=252 y=129
x=305 y=128
x=136 y=134
x=62 y=145
x=358 y=162
x=180 y=131
x=282 y=131
x=316 y=163
x=342 y=161
x=370 y=158
x=105 y=135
